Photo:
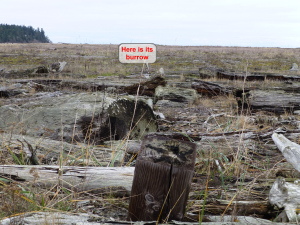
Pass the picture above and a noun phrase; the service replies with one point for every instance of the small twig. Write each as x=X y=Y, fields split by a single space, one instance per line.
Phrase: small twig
x=211 y=117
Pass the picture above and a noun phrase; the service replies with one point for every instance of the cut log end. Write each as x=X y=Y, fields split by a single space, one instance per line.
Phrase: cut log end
x=162 y=179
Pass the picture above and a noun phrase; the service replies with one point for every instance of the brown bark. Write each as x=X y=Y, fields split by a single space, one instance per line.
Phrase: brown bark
x=209 y=88
x=162 y=179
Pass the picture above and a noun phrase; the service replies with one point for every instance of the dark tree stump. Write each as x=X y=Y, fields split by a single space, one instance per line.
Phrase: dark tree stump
x=162 y=178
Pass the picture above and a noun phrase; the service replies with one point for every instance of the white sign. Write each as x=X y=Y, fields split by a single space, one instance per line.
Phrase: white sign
x=137 y=53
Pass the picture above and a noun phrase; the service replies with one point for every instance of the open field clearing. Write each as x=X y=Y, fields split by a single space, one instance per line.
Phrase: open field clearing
x=71 y=132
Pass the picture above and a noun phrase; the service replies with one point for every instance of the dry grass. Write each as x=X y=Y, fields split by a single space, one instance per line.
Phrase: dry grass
x=102 y=60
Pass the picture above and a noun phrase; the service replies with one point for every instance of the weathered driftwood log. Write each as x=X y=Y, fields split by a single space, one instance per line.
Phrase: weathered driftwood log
x=211 y=72
x=208 y=72
x=35 y=72
x=259 y=143
x=274 y=101
x=162 y=179
x=209 y=88
x=75 y=178
x=84 y=218
x=81 y=85
x=119 y=179
x=289 y=149
x=171 y=73
x=286 y=195
x=84 y=117
x=124 y=118
x=54 y=117
x=218 y=207
x=147 y=87
x=10 y=91
x=62 y=218
x=111 y=153
x=57 y=67
x=52 y=68
x=254 y=76
x=175 y=94
x=279 y=101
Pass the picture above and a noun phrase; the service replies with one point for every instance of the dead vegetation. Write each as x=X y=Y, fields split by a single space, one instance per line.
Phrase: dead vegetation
x=102 y=60
x=236 y=159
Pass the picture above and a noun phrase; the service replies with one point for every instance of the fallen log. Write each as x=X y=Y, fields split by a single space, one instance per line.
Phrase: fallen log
x=81 y=85
x=75 y=178
x=13 y=90
x=93 y=179
x=255 y=76
x=289 y=149
x=218 y=207
x=228 y=142
x=211 y=72
x=283 y=194
x=38 y=218
x=286 y=195
x=209 y=88
x=84 y=117
x=273 y=101
x=172 y=94
x=208 y=72
x=147 y=87
x=111 y=153
x=40 y=71
x=85 y=218
x=276 y=101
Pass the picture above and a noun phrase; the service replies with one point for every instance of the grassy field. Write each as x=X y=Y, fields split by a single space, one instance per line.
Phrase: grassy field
x=245 y=174
x=102 y=60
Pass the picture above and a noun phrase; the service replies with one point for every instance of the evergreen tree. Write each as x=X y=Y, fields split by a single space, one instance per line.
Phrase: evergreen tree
x=22 y=34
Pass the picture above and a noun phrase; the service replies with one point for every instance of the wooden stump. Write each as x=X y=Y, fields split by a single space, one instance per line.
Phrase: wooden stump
x=162 y=179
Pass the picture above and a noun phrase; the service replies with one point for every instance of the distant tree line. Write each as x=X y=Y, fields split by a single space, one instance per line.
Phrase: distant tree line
x=22 y=34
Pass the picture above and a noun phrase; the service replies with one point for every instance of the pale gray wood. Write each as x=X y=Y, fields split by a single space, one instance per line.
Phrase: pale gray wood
x=48 y=151
x=278 y=101
x=83 y=218
x=289 y=149
x=80 y=178
x=283 y=194
x=286 y=195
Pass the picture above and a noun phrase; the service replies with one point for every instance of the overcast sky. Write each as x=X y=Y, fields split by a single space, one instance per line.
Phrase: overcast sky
x=262 y=23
